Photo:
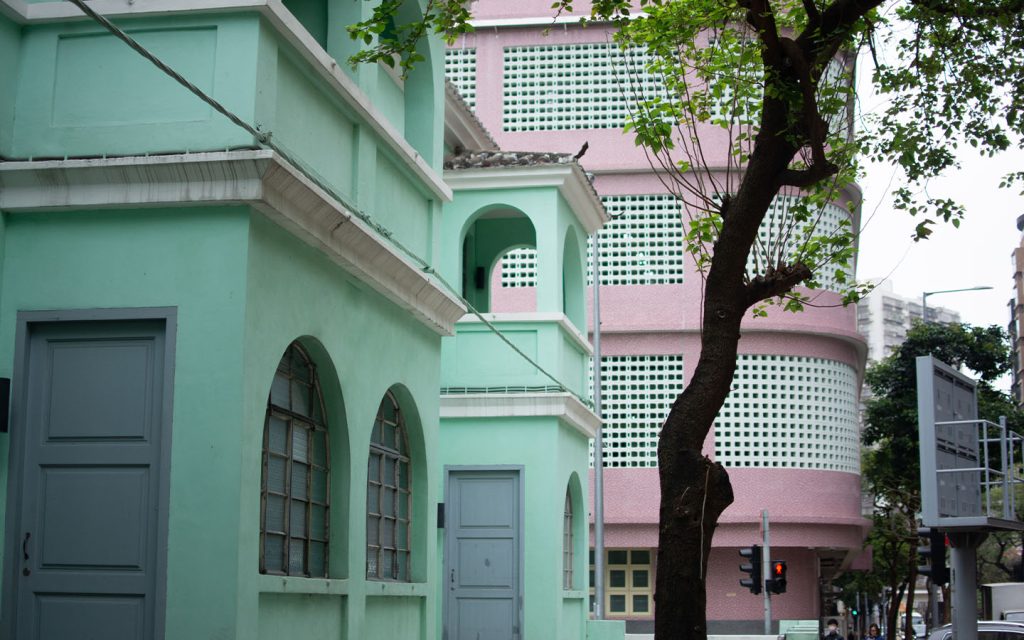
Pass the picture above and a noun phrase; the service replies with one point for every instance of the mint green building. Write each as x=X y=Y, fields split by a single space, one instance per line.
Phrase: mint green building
x=225 y=345
x=515 y=432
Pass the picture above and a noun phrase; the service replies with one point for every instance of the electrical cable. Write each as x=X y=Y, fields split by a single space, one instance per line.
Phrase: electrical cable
x=264 y=138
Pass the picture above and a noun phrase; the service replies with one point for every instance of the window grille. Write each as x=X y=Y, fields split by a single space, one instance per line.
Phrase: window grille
x=295 y=491
x=574 y=86
x=629 y=583
x=519 y=268
x=643 y=243
x=388 y=496
x=460 y=69
x=567 y=543
x=637 y=392
x=790 y=412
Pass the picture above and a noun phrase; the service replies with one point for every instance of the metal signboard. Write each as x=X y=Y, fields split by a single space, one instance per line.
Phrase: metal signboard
x=956 y=450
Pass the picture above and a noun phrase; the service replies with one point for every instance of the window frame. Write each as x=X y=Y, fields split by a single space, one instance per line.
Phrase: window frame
x=568 y=543
x=627 y=591
x=311 y=422
x=377 y=547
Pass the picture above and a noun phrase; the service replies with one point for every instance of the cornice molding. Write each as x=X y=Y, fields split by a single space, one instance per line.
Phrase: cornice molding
x=261 y=179
x=564 y=406
x=569 y=178
x=288 y=27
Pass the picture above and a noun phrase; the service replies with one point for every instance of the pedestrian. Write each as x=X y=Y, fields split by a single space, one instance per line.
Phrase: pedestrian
x=832 y=631
x=874 y=633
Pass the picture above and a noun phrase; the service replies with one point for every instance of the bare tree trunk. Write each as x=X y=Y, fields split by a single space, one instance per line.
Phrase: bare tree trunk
x=694 y=490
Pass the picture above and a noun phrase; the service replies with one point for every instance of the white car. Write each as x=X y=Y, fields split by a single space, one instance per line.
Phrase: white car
x=987 y=630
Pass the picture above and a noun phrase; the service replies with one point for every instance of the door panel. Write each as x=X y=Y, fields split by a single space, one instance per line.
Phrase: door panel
x=90 y=486
x=483 y=555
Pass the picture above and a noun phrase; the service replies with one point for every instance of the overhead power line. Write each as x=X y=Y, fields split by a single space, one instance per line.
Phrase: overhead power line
x=264 y=138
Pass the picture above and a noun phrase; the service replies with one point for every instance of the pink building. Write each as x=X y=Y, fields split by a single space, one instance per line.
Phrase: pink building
x=788 y=433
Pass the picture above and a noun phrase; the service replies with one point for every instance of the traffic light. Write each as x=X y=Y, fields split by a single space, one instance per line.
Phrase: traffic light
x=777 y=582
x=753 y=554
x=933 y=555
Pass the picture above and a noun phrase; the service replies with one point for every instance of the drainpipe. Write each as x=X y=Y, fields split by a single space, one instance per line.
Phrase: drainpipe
x=598 y=444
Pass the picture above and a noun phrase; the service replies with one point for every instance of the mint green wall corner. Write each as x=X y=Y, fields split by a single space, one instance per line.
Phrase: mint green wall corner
x=192 y=259
x=367 y=345
x=606 y=629
x=79 y=83
x=338 y=148
x=10 y=53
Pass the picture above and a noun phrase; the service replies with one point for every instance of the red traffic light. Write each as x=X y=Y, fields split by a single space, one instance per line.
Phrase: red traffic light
x=777 y=581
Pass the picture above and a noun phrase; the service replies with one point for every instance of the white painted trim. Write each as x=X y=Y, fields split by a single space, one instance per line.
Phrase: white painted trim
x=563 y=406
x=16 y=10
x=572 y=183
x=462 y=126
x=261 y=179
x=292 y=30
x=543 y=21
x=539 y=317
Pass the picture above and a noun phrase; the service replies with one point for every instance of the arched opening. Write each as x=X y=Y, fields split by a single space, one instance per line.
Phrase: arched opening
x=396 y=508
x=490 y=235
x=304 y=464
x=573 y=284
x=575 y=538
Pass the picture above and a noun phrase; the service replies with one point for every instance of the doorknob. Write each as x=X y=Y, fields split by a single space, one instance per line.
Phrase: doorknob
x=25 y=571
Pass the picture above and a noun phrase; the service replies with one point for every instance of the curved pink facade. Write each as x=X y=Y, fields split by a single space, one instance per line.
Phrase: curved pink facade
x=815 y=511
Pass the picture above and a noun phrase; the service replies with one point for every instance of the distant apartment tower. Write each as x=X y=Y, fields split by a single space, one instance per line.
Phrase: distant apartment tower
x=884 y=317
x=788 y=432
x=1015 y=329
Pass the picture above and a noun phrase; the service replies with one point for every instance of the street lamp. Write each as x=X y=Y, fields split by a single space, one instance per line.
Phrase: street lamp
x=924 y=298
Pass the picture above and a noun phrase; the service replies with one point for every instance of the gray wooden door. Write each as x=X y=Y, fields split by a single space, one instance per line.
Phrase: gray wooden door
x=483 y=555
x=88 y=523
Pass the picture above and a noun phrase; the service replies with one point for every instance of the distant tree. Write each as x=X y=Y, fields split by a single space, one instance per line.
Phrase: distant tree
x=775 y=75
x=891 y=470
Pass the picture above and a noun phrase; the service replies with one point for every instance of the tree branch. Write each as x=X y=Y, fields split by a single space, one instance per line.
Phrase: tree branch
x=761 y=18
x=776 y=281
x=802 y=178
x=813 y=15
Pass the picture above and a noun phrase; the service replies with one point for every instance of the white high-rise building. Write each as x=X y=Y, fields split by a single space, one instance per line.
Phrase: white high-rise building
x=884 y=317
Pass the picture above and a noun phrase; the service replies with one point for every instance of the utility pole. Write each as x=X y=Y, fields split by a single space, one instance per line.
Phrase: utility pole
x=766 y=560
x=598 y=443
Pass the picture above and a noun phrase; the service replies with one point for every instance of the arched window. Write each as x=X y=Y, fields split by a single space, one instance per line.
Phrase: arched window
x=295 y=494
x=388 y=496
x=567 y=542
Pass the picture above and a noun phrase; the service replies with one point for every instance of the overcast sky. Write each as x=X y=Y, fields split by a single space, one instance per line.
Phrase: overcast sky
x=976 y=254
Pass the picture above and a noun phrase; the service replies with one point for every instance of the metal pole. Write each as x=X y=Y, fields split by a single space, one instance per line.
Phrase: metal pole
x=1007 y=470
x=598 y=443
x=964 y=581
x=766 y=562
x=924 y=307
x=933 y=605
